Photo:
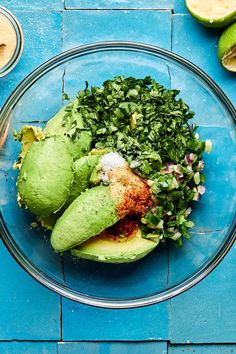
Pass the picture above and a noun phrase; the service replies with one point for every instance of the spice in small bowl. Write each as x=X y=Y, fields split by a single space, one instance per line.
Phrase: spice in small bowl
x=11 y=41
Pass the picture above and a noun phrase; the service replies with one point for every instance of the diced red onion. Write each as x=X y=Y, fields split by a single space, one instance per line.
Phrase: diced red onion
x=178 y=169
x=179 y=177
x=201 y=189
x=189 y=158
x=169 y=167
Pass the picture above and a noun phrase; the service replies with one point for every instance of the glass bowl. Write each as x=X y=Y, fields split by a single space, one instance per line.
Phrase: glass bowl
x=168 y=270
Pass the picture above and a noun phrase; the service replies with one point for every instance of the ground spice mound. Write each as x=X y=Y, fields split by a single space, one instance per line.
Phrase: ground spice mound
x=134 y=192
x=7 y=40
x=136 y=201
x=122 y=230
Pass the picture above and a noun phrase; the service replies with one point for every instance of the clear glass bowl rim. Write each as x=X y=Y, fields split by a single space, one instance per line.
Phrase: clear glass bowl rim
x=15 y=250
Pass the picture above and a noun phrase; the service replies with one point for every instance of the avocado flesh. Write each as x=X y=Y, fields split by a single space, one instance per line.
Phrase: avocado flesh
x=90 y=213
x=46 y=176
x=49 y=221
x=83 y=168
x=81 y=146
x=27 y=136
x=107 y=250
x=55 y=126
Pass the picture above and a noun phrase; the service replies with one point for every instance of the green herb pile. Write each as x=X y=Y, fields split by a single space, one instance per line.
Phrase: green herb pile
x=149 y=127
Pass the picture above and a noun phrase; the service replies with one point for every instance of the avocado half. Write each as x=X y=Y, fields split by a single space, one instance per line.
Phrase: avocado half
x=27 y=136
x=46 y=176
x=109 y=250
x=83 y=168
x=56 y=126
x=90 y=213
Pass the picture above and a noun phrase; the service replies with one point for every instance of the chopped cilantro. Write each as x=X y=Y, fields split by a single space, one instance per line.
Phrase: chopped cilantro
x=148 y=125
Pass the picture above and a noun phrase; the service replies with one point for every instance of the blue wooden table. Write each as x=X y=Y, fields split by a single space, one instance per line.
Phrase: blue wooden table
x=35 y=320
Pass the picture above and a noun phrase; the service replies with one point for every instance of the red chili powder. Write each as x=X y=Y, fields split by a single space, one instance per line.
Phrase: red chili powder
x=137 y=200
x=136 y=197
x=122 y=230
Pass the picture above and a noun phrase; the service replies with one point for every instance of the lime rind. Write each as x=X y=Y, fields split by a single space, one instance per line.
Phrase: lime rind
x=227 y=48
x=210 y=19
x=229 y=59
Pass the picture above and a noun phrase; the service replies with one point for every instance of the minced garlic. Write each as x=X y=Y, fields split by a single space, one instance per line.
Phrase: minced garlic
x=7 y=40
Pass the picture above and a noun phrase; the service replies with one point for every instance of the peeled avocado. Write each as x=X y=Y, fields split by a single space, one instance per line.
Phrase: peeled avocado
x=81 y=146
x=83 y=168
x=82 y=171
x=107 y=250
x=55 y=188
x=91 y=213
x=27 y=136
x=46 y=176
x=55 y=126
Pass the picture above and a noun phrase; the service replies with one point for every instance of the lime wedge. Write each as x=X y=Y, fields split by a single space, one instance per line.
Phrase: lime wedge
x=227 y=48
x=213 y=13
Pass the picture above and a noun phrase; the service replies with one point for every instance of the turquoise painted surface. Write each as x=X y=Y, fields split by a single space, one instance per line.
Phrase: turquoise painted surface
x=204 y=314
x=42 y=32
x=25 y=5
x=203 y=349
x=199 y=45
x=119 y=4
x=148 y=323
x=28 y=348
x=180 y=7
x=113 y=348
x=28 y=310
x=201 y=314
x=126 y=25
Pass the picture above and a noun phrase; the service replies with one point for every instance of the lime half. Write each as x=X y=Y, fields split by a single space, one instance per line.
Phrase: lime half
x=213 y=13
x=227 y=48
